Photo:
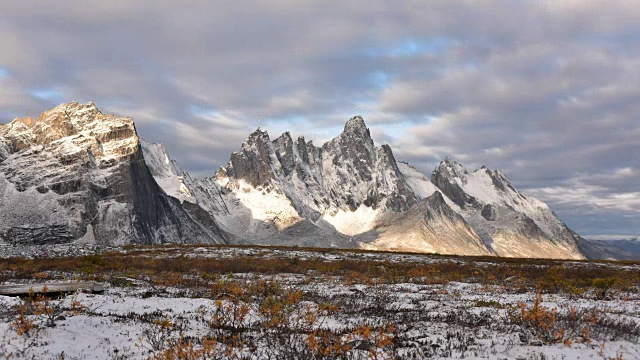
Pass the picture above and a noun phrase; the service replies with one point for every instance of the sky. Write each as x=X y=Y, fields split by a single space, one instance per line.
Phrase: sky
x=547 y=91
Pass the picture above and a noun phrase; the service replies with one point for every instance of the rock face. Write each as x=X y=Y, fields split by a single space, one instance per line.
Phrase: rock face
x=357 y=173
x=349 y=187
x=77 y=174
x=343 y=174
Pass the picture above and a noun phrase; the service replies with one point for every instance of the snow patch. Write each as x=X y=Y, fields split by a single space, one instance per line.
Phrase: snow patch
x=419 y=183
x=352 y=222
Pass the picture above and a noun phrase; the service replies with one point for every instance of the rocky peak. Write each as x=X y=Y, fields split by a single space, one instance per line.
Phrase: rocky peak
x=449 y=177
x=302 y=149
x=75 y=173
x=388 y=154
x=285 y=138
x=451 y=169
x=437 y=207
x=77 y=111
x=498 y=179
x=387 y=161
x=356 y=123
x=253 y=162
x=501 y=181
x=353 y=146
x=284 y=152
x=74 y=132
x=355 y=130
x=256 y=137
x=71 y=112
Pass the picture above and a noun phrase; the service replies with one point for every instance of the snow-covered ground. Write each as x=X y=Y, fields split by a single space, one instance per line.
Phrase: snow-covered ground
x=347 y=312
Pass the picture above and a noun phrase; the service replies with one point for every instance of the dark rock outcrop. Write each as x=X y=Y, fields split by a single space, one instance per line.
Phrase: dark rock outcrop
x=489 y=212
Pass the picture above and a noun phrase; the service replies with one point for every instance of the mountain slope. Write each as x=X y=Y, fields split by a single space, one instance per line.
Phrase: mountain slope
x=429 y=226
x=77 y=174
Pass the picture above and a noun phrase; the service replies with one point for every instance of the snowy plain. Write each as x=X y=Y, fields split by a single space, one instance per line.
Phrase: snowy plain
x=427 y=312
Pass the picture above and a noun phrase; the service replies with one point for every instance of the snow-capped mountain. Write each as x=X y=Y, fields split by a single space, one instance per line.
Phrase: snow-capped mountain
x=340 y=187
x=348 y=192
x=75 y=174
x=508 y=222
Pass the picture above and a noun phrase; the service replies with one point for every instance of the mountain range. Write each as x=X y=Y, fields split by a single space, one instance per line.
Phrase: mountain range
x=75 y=174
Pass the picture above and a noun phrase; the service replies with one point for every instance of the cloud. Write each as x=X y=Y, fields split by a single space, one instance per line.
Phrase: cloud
x=548 y=91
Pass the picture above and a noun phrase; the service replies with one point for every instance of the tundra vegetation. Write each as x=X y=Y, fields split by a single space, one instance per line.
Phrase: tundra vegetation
x=225 y=302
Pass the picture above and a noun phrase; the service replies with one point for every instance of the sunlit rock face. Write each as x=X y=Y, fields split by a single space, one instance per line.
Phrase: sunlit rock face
x=75 y=174
x=431 y=225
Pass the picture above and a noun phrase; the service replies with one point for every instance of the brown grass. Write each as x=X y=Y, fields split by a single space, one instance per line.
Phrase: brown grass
x=165 y=266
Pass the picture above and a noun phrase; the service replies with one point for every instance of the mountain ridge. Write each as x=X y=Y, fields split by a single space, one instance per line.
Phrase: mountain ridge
x=378 y=192
x=347 y=193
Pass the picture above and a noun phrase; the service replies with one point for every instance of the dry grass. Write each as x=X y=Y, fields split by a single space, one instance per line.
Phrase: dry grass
x=166 y=266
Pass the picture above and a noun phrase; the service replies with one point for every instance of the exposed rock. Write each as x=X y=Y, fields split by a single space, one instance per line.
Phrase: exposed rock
x=253 y=162
x=344 y=173
x=448 y=177
x=488 y=212
x=36 y=235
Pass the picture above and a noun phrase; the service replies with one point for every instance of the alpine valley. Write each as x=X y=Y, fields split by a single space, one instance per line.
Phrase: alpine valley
x=76 y=175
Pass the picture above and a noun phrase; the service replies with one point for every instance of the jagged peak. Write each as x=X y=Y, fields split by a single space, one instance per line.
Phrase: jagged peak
x=301 y=140
x=285 y=137
x=500 y=173
x=385 y=154
x=448 y=160
x=500 y=180
x=75 y=109
x=356 y=123
x=257 y=133
x=72 y=111
x=386 y=149
x=437 y=206
x=355 y=130
x=450 y=167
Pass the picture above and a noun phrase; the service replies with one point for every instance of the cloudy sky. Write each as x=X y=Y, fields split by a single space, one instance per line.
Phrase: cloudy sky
x=547 y=91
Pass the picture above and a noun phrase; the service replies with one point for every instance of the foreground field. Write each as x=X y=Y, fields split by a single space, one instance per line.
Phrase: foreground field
x=195 y=302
